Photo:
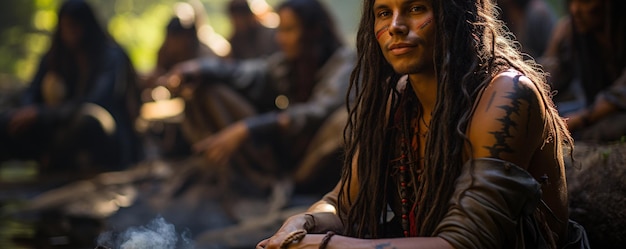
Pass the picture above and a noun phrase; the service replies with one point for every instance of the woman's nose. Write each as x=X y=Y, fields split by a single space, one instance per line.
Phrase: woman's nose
x=398 y=25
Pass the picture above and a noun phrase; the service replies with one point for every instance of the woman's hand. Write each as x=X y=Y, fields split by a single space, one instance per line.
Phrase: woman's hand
x=220 y=147
x=294 y=223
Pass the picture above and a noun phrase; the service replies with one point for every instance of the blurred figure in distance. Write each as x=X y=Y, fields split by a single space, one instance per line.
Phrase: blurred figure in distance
x=250 y=39
x=79 y=110
x=586 y=59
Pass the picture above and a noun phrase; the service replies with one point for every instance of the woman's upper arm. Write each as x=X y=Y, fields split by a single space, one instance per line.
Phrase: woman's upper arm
x=328 y=203
x=508 y=121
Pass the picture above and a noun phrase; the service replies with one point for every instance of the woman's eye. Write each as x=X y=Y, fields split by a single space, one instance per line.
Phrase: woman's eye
x=418 y=8
x=383 y=13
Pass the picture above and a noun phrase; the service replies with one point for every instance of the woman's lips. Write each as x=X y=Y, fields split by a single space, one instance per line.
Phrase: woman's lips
x=401 y=48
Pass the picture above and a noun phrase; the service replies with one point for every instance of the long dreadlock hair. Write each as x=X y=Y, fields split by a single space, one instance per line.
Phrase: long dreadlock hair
x=472 y=46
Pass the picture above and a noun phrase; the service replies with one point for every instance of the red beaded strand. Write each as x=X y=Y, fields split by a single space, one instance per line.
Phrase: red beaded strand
x=409 y=142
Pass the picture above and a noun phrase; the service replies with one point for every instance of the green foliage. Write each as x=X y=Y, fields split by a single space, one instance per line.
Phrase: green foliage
x=141 y=34
x=137 y=25
x=22 y=25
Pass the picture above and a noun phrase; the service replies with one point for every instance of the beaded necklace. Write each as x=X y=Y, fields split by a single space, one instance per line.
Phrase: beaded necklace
x=407 y=166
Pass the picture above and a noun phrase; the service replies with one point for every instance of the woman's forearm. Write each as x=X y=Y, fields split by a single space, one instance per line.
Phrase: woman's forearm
x=342 y=242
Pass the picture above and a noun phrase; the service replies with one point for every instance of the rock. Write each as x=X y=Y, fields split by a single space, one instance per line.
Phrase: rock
x=597 y=192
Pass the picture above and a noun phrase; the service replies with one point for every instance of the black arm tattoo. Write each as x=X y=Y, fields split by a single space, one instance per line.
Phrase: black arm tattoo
x=385 y=245
x=493 y=96
x=517 y=95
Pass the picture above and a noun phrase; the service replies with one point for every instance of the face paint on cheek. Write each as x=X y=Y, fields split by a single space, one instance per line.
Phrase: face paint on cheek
x=381 y=31
x=426 y=23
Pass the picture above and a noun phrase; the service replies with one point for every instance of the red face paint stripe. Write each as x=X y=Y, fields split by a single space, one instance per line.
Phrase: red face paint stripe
x=428 y=21
x=380 y=32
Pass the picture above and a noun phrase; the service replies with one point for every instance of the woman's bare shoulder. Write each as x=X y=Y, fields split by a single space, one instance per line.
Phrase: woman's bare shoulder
x=508 y=119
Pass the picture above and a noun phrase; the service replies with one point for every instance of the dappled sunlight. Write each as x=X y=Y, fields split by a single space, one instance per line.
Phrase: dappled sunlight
x=37 y=44
x=163 y=107
x=264 y=12
x=186 y=13
x=215 y=41
x=45 y=20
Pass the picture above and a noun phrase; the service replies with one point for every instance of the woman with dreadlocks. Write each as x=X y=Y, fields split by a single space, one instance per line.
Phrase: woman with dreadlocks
x=463 y=152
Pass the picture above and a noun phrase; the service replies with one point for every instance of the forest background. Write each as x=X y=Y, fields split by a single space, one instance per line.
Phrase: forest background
x=138 y=25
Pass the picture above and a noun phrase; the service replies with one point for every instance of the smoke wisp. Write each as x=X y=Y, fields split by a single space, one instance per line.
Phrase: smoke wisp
x=157 y=234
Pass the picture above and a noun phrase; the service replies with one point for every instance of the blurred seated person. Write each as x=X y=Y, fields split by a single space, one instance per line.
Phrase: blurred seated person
x=531 y=21
x=586 y=59
x=277 y=103
x=181 y=43
x=78 y=111
x=250 y=39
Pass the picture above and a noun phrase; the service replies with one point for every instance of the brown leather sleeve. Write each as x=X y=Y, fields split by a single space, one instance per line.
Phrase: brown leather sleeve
x=490 y=198
x=322 y=223
x=321 y=220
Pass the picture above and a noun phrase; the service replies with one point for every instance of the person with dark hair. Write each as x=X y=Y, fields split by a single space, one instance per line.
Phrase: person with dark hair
x=587 y=64
x=250 y=39
x=79 y=110
x=279 y=102
x=452 y=141
x=531 y=21
x=181 y=43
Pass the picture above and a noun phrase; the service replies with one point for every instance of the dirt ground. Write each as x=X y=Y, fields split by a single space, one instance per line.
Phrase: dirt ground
x=43 y=213
x=597 y=192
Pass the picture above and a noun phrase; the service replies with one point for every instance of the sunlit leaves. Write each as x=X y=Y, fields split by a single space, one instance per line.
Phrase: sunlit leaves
x=141 y=34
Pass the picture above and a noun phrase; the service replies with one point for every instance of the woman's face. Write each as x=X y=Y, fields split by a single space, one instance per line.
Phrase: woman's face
x=71 y=32
x=405 y=31
x=587 y=15
x=289 y=33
